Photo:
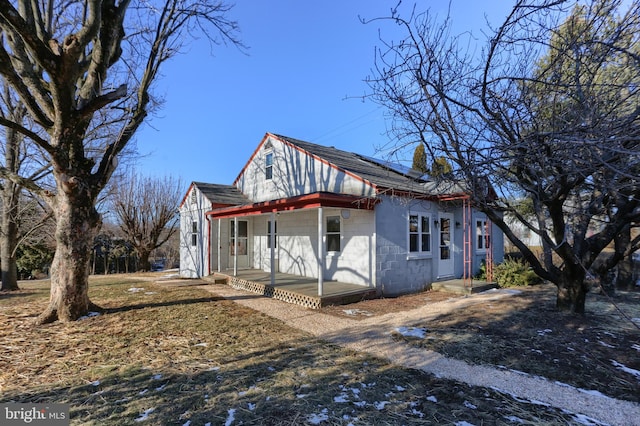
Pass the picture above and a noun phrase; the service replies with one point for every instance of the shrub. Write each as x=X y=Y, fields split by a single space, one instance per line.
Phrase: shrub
x=515 y=273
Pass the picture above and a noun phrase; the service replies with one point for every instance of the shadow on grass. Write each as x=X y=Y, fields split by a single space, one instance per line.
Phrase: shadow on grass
x=137 y=306
x=293 y=383
x=526 y=333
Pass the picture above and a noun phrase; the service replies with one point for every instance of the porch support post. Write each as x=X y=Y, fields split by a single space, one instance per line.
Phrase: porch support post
x=320 y=252
x=272 y=248
x=235 y=246
x=219 y=244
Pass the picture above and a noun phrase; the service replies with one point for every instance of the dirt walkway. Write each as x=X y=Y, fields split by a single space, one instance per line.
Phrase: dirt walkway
x=373 y=335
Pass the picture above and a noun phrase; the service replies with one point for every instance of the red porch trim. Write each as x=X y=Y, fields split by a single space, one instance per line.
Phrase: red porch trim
x=309 y=201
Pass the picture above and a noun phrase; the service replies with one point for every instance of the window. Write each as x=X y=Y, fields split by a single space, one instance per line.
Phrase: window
x=194 y=197
x=268 y=170
x=419 y=233
x=333 y=233
x=194 y=233
x=482 y=236
x=275 y=234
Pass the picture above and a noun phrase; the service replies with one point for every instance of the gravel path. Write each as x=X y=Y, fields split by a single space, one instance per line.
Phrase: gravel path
x=373 y=335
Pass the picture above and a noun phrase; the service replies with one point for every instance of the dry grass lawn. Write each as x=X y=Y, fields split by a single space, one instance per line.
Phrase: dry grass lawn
x=182 y=356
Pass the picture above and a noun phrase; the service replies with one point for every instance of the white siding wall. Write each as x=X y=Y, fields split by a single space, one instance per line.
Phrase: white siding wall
x=299 y=175
x=297 y=247
x=193 y=258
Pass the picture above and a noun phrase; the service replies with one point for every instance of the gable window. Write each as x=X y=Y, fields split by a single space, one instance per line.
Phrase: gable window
x=275 y=234
x=194 y=233
x=482 y=236
x=333 y=233
x=419 y=233
x=268 y=169
x=194 y=197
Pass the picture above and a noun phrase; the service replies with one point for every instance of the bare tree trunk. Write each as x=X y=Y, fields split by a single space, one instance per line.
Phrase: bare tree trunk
x=10 y=205
x=624 y=279
x=143 y=256
x=77 y=223
x=8 y=243
x=572 y=291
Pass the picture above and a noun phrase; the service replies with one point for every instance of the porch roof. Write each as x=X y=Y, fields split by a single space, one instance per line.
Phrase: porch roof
x=315 y=200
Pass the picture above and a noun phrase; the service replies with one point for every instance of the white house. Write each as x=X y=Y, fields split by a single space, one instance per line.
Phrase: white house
x=318 y=212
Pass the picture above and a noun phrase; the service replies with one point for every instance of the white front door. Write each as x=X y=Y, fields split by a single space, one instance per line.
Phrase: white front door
x=445 y=247
x=241 y=244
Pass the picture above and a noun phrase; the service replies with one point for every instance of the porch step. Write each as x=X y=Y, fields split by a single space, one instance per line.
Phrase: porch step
x=216 y=279
x=459 y=287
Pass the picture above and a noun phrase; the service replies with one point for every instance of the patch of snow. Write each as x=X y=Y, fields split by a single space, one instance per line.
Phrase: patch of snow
x=470 y=405
x=355 y=312
x=157 y=377
x=316 y=419
x=89 y=315
x=251 y=406
x=360 y=404
x=417 y=413
x=231 y=416
x=626 y=369
x=142 y=392
x=343 y=397
x=96 y=383
x=204 y=345
x=380 y=405
x=514 y=419
x=187 y=423
x=144 y=416
x=400 y=388
x=586 y=420
x=149 y=293
x=119 y=401
x=545 y=331
x=636 y=347
x=135 y=289
x=168 y=276
x=606 y=345
x=432 y=398
x=636 y=320
x=161 y=388
x=214 y=369
x=418 y=332
x=463 y=423
x=302 y=395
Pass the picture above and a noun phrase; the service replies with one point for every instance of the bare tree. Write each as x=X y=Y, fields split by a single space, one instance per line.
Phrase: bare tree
x=146 y=209
x=76 y=65
x=17 y=220
x=548 y=110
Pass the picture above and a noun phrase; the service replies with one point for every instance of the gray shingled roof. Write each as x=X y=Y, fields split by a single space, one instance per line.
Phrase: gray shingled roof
x=222 y=194
x=378 y=172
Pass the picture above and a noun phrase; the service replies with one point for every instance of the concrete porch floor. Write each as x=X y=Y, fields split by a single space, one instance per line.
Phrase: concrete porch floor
x=295 y=289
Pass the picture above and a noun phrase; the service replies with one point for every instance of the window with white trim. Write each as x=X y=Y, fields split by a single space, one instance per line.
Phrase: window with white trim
x=419 y=233
x=482 y=236
x=275 y=233
x=268 y=165
x=333 y=233
x=194 y=233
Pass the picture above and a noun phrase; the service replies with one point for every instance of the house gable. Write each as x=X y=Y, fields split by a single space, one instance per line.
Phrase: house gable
x=280 y=169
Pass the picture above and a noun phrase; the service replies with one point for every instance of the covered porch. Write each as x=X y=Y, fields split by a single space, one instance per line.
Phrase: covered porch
x=295 y=289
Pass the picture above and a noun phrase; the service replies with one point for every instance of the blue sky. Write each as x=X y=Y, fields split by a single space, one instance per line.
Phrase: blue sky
x=302 y=76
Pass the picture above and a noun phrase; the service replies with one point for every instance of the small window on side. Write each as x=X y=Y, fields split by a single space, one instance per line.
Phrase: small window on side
x=333 y=233
x=268 y=169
